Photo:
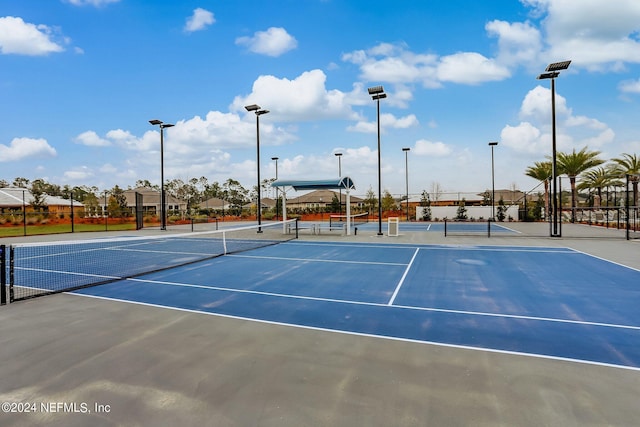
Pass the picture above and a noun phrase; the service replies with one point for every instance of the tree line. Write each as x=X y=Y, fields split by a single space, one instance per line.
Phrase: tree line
x=587 y=171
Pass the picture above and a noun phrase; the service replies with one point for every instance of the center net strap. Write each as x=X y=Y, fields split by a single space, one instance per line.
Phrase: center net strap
x=50 y=267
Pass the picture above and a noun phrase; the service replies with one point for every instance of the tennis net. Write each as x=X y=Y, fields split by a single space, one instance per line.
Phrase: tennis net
x=336 y=220
x=43 y=268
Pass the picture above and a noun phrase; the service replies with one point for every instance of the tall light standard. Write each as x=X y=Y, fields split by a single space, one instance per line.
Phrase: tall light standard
x=339 y=156
x=163 y=206
x=276 y=160
x=493 y=184
x=553 y=71
x=256 y=109
x=406 y=172
x=377 y=93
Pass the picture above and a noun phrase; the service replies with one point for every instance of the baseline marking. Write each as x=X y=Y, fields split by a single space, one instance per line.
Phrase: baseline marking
x=361 y=334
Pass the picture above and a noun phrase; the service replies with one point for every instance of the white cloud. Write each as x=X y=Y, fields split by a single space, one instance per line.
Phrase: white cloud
x=595 y=34
x=525 y=138
x=273 y=42
x=470 y=68
x=429 y=148
x=200 y=19
x=387 y=120
x=79 y=175
x=537 y=104
x=303 y=98
x=518 y=42
x=533 y=134
x=22 y=38
x=25 y=148
x=90 y=138
x=397 y=65
x=630 y=86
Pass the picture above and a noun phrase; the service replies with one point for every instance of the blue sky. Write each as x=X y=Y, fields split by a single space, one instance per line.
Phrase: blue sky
x=80 y=79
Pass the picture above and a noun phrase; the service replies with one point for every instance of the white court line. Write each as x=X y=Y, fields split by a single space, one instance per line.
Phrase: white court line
x=429 y=227
x=362 y=334
x=316 y=260
x=406 y=271
x=443 y=247
x=402 y=307
x=607 y=260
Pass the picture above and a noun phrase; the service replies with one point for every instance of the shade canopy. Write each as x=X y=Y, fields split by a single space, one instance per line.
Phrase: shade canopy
x=322 y=184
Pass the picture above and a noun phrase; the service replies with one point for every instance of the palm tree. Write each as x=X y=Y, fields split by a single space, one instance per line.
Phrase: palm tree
x=595 y=179
x=542 y=171
x=573 y=164
x=629 y=164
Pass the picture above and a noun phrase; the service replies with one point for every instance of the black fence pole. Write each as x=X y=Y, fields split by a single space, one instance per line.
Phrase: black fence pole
x=72 y=216
x=24 y=214
x=445 y=227
x=626 y=206
x=11 y=277
x=3 y=275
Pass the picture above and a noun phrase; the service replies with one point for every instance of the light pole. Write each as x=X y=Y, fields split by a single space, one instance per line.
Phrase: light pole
x=406 y=178
x=256 y=108
x=163 y=207
x=377 y=93
x=553 y=71
x=339 y=156
x=276 y=160
x=493 y=184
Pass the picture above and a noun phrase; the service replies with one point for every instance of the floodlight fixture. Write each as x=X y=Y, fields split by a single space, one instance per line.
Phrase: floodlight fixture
x=163 y=204
x=553 y=71
x=551 y=75
x=256 y=109
x=493 y=184
x=377 y=93
x=558 y=66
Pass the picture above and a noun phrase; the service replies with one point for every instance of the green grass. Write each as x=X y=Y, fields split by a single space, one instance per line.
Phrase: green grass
x=15 y=231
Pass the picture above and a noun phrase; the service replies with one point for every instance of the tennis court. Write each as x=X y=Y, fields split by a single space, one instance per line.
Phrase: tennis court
x=361 y=329
x=549 y=302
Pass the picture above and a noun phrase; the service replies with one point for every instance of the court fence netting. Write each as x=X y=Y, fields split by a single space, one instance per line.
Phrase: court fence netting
x=591 y=223
x=41 y=268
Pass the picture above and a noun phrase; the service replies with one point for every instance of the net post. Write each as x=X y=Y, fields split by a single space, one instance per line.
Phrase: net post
x=297 y=228
x=489 y=228
x=445 y=227
x=3 y=275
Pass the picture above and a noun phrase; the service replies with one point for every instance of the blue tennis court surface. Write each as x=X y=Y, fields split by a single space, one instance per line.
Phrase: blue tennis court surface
x=549 y=302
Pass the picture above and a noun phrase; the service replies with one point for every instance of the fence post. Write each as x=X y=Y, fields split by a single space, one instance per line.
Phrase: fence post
x=3 y=275
x=626 y=207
